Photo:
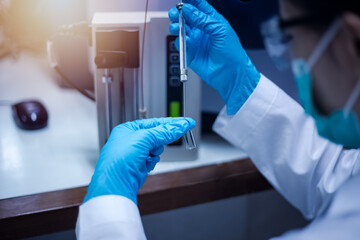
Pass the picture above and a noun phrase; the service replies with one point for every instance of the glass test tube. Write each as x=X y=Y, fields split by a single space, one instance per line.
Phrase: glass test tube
x=188 y=137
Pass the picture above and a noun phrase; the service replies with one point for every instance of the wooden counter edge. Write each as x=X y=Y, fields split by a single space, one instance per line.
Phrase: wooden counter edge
x=51 y=212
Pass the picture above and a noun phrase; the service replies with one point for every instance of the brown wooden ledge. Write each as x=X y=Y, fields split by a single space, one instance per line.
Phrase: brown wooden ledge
x=51 y=212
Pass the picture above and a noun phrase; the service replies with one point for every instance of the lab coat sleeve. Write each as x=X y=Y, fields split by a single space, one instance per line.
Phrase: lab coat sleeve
x=283 y=143
x=341 y=220
x=109 y=217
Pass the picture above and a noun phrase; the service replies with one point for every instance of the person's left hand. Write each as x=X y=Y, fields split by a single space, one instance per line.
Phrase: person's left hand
x=131 y=152
x=215 y=53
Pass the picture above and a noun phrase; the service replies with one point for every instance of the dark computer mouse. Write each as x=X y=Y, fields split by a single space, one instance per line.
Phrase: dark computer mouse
x=30 y=115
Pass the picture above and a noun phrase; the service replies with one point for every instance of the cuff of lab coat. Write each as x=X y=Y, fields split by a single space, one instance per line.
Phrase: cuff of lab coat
x=109 y=215
x=249 y=116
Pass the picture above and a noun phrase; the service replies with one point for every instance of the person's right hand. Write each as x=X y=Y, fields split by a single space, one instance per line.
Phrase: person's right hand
x=215 y=53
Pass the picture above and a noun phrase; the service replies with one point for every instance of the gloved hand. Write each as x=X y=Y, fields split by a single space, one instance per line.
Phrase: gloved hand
x=215 y=53
x=131 y=152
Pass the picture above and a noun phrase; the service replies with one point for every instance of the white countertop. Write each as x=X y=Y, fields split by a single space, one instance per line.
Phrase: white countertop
x=63 y=155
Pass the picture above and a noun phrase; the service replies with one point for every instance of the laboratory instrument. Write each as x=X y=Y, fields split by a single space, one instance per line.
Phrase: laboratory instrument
x=117 y=53
x=189 y=139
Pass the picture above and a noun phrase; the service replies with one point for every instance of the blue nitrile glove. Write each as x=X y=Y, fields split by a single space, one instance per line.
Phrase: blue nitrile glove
x=131 y=152
x=215 y=53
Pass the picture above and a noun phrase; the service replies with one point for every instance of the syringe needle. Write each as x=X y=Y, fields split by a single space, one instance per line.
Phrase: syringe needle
x=188 y=137
x=182 y=41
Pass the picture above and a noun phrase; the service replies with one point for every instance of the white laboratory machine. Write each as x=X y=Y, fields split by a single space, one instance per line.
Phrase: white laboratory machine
x=128 y=87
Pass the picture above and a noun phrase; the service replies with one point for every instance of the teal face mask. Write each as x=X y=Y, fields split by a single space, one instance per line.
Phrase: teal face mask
x=341 y=126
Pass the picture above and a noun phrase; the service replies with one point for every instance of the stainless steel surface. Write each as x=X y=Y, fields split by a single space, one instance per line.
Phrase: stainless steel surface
x=107 y=80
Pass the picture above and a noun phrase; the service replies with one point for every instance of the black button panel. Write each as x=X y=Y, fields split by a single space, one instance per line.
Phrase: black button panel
x=174 y=58
x=174 y=86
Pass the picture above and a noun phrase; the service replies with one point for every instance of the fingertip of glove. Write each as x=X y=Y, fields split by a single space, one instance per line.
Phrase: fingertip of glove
x=173 y=28
x=153 y=159
x=151 y=163
x=177 y=44
x=173 y=13
x=191 y=122
x=187 y=122
x=188 y=8
x=157 y=151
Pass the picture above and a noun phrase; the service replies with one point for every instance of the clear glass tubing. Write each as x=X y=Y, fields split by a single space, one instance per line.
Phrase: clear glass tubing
x=189 y=140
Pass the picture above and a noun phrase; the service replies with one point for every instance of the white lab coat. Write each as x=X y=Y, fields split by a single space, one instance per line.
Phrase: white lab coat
x=284 y=145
